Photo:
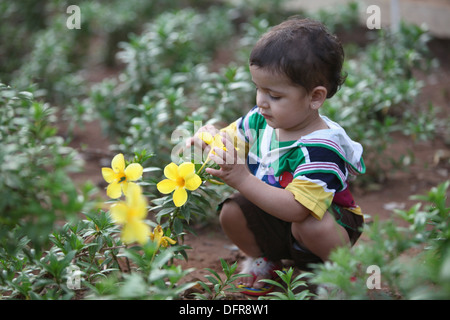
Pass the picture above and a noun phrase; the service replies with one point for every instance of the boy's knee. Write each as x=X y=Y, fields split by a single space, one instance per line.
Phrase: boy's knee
x=301 y=229
x=230 y=213
x=310 y=227
x=325 y=229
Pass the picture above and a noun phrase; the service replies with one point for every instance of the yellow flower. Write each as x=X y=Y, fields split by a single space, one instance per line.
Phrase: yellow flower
x=159 y=238
x=213 y=142
x=179 y=178
x=130 y=214
x=119 y=177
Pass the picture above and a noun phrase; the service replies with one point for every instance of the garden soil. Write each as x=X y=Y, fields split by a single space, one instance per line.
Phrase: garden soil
x=430 y=166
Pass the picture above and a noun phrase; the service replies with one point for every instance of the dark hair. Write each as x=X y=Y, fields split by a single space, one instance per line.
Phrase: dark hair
x=303 y=50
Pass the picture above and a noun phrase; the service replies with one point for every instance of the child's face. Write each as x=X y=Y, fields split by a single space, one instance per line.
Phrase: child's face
x=284 y=105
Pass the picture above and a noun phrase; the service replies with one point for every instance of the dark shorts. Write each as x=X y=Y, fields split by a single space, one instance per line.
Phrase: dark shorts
x=274 y=236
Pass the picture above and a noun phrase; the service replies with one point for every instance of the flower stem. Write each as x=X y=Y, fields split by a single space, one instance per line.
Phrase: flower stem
x=206 y=161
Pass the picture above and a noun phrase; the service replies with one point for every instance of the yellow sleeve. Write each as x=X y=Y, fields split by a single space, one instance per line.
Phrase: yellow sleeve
x=311 y=195
x=356 y=210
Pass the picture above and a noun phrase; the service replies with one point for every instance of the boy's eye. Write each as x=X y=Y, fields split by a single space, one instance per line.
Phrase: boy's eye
x=274 y=97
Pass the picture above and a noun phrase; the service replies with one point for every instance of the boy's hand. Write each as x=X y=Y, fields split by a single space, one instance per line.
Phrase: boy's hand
x=196 y=141
x=233 y=170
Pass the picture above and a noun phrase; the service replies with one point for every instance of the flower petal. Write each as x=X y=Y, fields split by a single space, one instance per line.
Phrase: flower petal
x=167 y=240
x=180 y=197
x=166 y=186
x=108 y=174
x=185 y=169
x=192 y=182
x=142 y=233
x=136 y=231
x=156 y=235
x=136 y=200
x=141 y=209
x=206 y=137
x=133 y=171
x=218 y=142
x=171 y=241
x=114 y=190
x=171 y=171
x=119 y=212
x=158 y=232
x=133 y=192
x=118 y=163
x=124 y=186
x=127 y=235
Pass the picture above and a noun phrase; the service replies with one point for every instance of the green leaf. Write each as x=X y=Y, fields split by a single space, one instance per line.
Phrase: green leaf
x=205 y=286
x=272 y=282
x=212 y=279
x=213 y=272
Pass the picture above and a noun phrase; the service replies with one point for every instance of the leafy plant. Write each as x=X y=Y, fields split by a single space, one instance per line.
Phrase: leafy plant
x=227 y=91
x=106 y=268
x=289 y=287
x=157 y=91
x=153 y=277
x=219 y=287
x=342 y=17
x=377 y=97
x=412 y=259
x=49 y=65
x=90 y=246
x=29 y=149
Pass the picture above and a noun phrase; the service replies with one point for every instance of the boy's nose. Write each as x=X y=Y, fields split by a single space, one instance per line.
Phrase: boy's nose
x=261 y=101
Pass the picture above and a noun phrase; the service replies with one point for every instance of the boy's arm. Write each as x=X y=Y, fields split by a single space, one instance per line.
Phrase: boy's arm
x=278 y=202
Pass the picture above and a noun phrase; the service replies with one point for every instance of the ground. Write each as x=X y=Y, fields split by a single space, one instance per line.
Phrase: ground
x=431 y=166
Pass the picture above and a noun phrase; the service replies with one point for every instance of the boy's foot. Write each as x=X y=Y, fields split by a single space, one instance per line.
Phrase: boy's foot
x=259 y=268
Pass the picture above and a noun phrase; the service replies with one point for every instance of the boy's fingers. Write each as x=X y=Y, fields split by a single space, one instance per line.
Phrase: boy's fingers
x=196 y=141
x=209 y=129
x=226 y=157
x=218 y=156
x=214 y=172
x=226 y=140
x=189 y=142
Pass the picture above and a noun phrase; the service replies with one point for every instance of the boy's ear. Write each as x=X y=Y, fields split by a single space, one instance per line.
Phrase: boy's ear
x=318 y=96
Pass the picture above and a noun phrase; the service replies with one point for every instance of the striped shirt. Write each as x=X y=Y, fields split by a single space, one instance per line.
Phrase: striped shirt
x=315 y=168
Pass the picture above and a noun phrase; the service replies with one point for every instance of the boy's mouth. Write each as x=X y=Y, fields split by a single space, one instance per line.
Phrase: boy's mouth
x=266 y=116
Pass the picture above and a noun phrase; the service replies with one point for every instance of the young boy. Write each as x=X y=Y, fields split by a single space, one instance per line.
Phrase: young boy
x=292 y=199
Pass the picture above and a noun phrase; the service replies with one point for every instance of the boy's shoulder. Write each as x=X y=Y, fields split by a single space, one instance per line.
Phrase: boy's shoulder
x=335 y=136
x=336 y=139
